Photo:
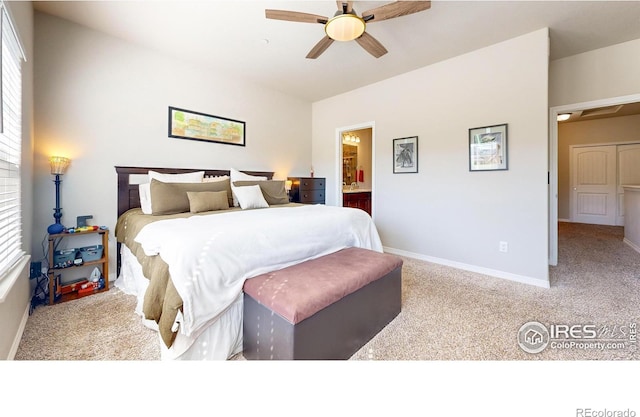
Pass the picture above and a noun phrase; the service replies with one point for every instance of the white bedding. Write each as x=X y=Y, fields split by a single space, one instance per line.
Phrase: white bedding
x=209 y=257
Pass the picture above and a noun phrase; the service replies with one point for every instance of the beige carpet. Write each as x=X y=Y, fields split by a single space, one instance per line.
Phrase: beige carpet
x=99 y=327
x=447 y=314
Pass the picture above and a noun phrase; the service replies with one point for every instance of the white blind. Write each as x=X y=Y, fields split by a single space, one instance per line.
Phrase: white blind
x=10 y=146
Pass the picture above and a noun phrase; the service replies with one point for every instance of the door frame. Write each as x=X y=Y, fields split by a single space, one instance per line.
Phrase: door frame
x=338 y=176
x=553 y=160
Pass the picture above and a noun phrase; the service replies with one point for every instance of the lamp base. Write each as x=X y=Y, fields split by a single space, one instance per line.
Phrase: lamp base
x=55 y=228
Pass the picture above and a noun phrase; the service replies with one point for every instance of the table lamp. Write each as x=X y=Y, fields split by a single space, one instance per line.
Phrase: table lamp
x=58 y=165
x=287 y=187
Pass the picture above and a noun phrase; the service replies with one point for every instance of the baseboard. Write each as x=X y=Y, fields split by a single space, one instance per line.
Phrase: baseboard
x=472 y=268
x=565 y=220
x=633 y=245
x=18 y=338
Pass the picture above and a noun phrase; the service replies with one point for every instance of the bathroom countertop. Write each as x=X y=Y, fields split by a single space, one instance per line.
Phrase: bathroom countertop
x=356 y=190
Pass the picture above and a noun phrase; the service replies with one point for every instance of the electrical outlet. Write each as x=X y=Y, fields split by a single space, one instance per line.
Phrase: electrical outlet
x=504 y=247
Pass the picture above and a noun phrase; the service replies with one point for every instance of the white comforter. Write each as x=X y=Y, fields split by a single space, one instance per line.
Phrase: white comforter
x=209 y=257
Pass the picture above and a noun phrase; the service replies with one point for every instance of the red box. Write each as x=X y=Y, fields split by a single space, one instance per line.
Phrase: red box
x=89 y=287
x=72 y=286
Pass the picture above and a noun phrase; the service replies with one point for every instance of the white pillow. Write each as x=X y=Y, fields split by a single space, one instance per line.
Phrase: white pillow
x=250 y=197
x=145 y=197
x=188 y=177
x=241 y=176
x=144 y=190
x=215 y=179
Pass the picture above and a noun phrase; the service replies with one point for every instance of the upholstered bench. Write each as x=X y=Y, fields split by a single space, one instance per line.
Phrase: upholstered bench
x=324 y=308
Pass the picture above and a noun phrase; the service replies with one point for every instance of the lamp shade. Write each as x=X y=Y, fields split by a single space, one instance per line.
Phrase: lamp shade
x=287 y=185
x=345 y=27
x=59 y=164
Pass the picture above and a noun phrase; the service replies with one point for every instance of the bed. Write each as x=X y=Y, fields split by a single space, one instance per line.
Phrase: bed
x=187 y=268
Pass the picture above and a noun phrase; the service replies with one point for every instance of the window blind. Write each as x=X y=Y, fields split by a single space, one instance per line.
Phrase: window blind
x=10 y=145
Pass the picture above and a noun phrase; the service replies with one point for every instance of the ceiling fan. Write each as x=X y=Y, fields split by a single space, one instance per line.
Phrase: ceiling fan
x=346 y=25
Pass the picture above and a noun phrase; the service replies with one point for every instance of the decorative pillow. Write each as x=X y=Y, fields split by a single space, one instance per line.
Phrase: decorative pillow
x=241 y=176
x=207 y=201
x=250 y=197
x=170 y=198
x=273 y=190
x=222 y=178
x=144 y=190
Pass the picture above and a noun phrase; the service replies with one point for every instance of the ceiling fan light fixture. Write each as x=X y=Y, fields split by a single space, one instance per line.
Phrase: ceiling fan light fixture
x=345 y=27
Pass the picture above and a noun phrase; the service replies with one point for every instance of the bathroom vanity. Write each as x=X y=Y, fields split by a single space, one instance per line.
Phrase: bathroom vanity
x=357 y=198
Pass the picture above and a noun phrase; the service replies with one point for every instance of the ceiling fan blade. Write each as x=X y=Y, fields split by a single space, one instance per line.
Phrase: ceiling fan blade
x=371 y=45
x=320 y=47
x=341 y=6
x=295 y=16
x=395 y=9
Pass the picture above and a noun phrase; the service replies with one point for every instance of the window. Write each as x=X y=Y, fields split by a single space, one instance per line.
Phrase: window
x=10 y=145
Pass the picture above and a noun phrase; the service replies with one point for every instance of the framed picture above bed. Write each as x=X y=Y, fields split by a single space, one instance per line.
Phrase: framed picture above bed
x=488 y=148
x=188 y=124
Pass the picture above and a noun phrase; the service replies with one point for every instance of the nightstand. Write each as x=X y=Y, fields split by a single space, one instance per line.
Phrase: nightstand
x=307 y=190
x=94 y=258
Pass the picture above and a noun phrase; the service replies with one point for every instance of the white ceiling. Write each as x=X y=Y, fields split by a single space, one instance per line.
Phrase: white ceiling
x=235 y=38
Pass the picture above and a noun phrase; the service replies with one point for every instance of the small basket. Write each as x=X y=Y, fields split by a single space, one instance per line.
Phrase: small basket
x=91 y=253
x=64 y=258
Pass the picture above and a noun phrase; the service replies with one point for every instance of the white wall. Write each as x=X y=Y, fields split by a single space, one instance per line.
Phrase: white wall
x=104 y=102
x=15 y=307
x=446 y=213
x=595 y=75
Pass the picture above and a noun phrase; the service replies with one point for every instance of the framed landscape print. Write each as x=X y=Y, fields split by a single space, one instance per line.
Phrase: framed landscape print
x=405 y=155
x=488 y=148
x=187 y=124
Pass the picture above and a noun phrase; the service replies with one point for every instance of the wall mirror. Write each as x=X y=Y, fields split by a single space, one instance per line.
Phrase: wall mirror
x=349 y=163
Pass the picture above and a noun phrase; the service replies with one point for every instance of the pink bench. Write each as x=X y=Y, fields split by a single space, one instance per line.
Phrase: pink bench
x=325 y=308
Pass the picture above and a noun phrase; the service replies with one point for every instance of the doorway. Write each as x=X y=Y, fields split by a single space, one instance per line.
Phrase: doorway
x=553 y=160
x=356 y=166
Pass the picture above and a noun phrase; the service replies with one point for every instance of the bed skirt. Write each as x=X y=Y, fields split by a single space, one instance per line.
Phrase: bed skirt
x=220 y=340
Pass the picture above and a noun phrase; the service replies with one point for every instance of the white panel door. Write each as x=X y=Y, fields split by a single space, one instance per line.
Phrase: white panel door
x=594 y=185
x=628 y=174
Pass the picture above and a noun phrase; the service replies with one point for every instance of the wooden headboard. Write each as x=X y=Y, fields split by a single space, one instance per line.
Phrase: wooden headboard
x=128 y=194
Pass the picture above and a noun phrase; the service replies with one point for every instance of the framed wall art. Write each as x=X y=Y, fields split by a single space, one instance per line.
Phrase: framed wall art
x=488 y=148
x=405 y=155
x=187 y=124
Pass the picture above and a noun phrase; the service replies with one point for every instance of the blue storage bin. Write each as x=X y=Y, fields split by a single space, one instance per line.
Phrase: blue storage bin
x=64 y=258
x=91 y=253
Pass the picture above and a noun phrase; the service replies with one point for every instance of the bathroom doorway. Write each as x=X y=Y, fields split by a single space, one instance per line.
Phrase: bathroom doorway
x=356 y=167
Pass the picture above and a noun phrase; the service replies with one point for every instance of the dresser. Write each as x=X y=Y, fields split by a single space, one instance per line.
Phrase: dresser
x=307 y=190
